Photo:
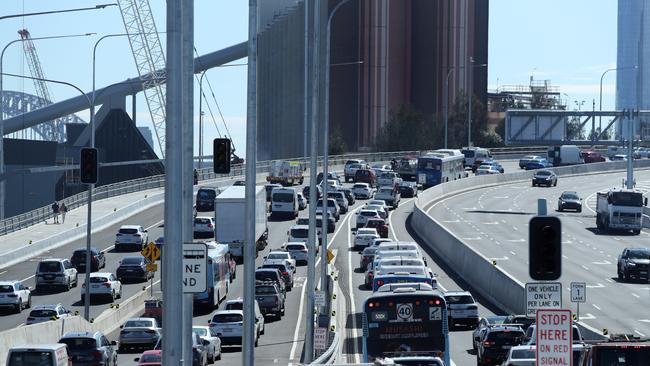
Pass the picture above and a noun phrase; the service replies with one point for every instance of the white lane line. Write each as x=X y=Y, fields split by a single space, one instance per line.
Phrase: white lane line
x=390 y=219
x=635 y=295
x=516 y=240
x=353 y=308
x=585 y=267
x=596 y=306
x=639 y=333
x=609 y=280
x=513 y=253
x=295 y=333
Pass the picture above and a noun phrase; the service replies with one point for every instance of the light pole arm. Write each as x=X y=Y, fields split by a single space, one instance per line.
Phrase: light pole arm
x=51 y=81
x=101 y=6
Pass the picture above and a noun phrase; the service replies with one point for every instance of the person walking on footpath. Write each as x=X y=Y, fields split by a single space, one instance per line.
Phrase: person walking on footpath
x=55 y=211
x=64 y=210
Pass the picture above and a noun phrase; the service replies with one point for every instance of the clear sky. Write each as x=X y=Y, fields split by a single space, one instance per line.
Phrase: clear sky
x=568 y=42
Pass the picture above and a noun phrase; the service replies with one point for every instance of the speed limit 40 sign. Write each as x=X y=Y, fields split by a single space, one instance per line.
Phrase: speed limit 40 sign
x=405 y=312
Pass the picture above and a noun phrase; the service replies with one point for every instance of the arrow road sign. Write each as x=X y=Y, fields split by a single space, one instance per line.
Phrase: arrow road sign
x=151 y=252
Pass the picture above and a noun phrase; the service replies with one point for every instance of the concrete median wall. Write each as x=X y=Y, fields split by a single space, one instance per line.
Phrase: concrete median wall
x=491 y=282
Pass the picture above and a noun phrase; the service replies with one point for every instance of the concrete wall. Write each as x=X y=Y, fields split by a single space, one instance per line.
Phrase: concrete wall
x=491 y=282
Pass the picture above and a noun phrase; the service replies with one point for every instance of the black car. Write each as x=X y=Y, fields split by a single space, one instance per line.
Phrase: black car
x=496 y=343
x=97 y=259
x=305 y=192
x=634 y=263
x=482 y=327
x=408 y=189
x=569 y=200
x=90 y=348
x=544 y=178
x=133 y=268
x=349 y=195
x=522 y=320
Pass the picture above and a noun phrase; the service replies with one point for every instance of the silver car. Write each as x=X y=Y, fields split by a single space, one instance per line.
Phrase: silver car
x=298 y=251
x=213 y=343
x=139 y=332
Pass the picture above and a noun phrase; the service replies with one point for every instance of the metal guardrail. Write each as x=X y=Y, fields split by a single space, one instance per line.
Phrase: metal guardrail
x=44 y=213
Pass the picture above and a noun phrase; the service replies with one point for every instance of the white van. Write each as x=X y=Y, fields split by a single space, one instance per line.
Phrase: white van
x=565 y=155
x=472 y=153
x=284 y=201
x=41 y=354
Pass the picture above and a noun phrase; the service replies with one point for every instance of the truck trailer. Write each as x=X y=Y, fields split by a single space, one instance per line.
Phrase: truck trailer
x=230 y=219
x=286 y=173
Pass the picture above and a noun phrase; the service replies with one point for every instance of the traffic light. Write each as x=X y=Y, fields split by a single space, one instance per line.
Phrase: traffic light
x=545 y=248
x=88 y=167
x=221 y=158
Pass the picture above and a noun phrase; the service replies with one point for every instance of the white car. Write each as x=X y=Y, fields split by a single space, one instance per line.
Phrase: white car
x=287 y=263
x=302 y=201
x=134 y=236
x=238 y=304
x=214 y=343
x=276 y=254
x=298 y=233
x=521 y=356
x=364 y=237
x=13 y=294
x=388 y=179
x=55 y=272
x=381 y=210
x=487 y=170
x=45 y=313
x=103 y=284
x=462 y=308
x=229 y=326
x=203 y=226
x=618 y=157
x=364 y=215
x=363 y=190
x=298 y=251
x=378 y=241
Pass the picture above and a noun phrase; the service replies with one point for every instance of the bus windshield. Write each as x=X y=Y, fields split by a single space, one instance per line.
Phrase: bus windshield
x=428 y=164
x=395 y=323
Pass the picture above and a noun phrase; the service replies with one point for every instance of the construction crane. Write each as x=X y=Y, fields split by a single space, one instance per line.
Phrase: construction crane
x=51 y=130
x=149 y=60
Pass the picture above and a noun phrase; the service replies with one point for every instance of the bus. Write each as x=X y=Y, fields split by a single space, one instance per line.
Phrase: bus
x=407 y=168
x=405 y=320
x=435 y=168
x=219 y=276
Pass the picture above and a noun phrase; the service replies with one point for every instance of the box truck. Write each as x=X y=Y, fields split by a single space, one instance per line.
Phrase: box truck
x=230 y=220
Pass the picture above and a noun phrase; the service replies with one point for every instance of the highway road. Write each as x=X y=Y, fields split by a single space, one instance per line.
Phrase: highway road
x=494 y=221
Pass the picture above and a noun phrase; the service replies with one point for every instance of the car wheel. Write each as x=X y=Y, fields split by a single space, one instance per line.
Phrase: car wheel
x=620 y=274
x=256 y=341
x=263 y=329
x=69 y=285
x=555 y=183
x=29 y=302
x=19 y=307
x=113 y=295
x=219 y=356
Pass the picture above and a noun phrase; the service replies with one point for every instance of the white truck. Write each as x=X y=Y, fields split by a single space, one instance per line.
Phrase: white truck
x=565 y=155
x=620 y=209
x=230 y=221
x=286 y=173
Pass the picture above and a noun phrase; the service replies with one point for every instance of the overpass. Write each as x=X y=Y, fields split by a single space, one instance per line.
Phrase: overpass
x=461 y=211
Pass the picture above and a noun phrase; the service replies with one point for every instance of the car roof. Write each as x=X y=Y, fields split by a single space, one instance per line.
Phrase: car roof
x=366 y=231
x=10 y=282
x=52 y=260
x=570 y=192
x=227 y=312
x=457 y=293
x=101 y=274
x=130 y=227
x=46 y=307
x=295 y=243
x=502 y=327
x=266 y=270
x=278 y=252
x=306 y=227
x=204 y=217
x=80 y=335
x=141 y=318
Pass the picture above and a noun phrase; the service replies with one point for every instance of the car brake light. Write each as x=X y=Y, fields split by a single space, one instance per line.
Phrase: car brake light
x=210 y=226
x=370 y=274
x=303 y=250
x=380 y=282
x=96 y=354
x=488 y=344
x=107 y=284
x=285 y=273
x=137 y=235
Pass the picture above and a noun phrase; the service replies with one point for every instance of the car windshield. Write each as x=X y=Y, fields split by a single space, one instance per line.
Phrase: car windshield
x=206 y=195
x=524 y=354
x=299 y=233
x=570 y=196
x=282 y=197
x=79 y=343
x=459 y=299
x=42 y=313
x=360 y=186
x=202 y=221
x=49 y=267
x=201 y=332
x=296 y=247
x=138 y=324
x=150 y=357
x=543 y=173
x=265 y=290
x=639 y=254
x=227 y=318
x=278 y=256
x=98 y=279
x=236 y=305
x=132 y=261
x=128 y=231
x=31 y=358
x=6 y=288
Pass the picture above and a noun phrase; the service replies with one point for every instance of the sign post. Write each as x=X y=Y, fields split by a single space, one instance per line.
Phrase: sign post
x=195 y=268
x=151 y=253
x=554 y=337
x=542 y=295
x=578 y=295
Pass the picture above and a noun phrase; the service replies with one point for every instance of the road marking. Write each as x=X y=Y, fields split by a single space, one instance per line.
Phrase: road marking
x=645 y=320
x=477 y=238
x=450 y=221
x=353 y=309
x=635 y=295
x=605 y=262
x=504 y=258
x=585 y=267
x=517 y=240
x=295 y=333
x=3 y=272
x=564 y=256
x=596 y=306
x=598 y=285
x=609 y=280
x=501 y=197
x=639 y=333
x=588 y=316
x=513 y=253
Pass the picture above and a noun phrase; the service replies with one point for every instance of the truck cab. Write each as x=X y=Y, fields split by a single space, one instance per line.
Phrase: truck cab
x=620 y=209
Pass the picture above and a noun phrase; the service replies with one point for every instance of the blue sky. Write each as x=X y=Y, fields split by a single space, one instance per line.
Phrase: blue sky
x=568 y=42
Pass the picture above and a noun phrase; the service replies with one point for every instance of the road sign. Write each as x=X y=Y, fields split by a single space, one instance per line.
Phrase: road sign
x=151 y=252
x=195 y=267
x=330 y=256
x=554 y=337
x=152 y=267
x=319 y=298
x=320 y=338
x=578 y=292
x=542 y=295
x=405 y=312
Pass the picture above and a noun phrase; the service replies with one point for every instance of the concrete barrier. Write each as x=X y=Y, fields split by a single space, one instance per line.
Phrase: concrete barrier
x=491 y=282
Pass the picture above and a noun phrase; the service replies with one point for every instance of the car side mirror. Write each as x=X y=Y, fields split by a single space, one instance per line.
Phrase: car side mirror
x=113 y=343
x=121 y=326
x=205 y=342
x=146 y=231
x=645 y=201
x=137 y=359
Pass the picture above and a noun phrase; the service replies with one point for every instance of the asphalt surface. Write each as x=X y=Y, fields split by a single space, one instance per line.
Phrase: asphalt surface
x=494 y=221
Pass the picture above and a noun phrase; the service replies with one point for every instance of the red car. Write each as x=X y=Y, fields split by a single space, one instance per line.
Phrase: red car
x=592 y=157
x=150 y=358
x=380 y=225
x=366 y=176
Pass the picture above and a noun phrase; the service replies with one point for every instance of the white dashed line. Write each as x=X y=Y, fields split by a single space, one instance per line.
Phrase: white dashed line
x=596 y=306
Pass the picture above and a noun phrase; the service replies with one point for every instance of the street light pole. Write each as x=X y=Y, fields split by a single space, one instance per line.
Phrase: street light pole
x=600 y=103
x=446 y=98
x=469 y=107
x=201 y=119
